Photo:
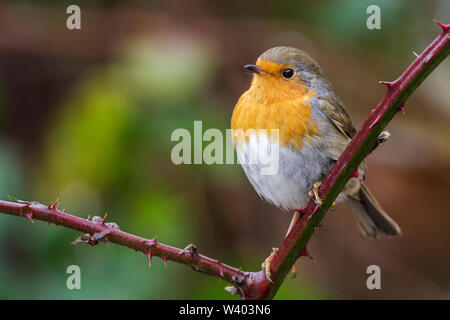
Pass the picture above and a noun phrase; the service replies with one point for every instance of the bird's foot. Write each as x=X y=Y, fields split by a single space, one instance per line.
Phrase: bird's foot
x=315 y=193
x=266 y=264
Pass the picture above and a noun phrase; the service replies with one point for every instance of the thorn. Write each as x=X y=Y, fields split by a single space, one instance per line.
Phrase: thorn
x=402 y=108
x=221 y=275
x=20 y=201
x=149 y=256
x=104 y=219
x=444 y=27
x=415 y=54
x=355 y=174
x=164 y=259
x=79 y=239
x=101 y=221
x=54 y=205
x=155 y=242
x=29 y=216
x=305 y=253
x=387 y=83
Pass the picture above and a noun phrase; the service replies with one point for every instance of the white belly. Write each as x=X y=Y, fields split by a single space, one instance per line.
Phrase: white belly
x=285 y=175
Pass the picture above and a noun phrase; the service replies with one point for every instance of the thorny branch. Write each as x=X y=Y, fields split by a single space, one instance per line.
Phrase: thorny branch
x=97 y=230
x=254 y=285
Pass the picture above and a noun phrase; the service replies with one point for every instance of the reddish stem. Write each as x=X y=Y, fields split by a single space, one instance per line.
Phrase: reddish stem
x=150 y=247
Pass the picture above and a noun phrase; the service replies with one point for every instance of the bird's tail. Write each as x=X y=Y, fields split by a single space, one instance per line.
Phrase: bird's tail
x=372 y=219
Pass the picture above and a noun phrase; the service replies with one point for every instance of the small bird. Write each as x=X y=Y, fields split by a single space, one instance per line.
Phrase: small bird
x=290 y=95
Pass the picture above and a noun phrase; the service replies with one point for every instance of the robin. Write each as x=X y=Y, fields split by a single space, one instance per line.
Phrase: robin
x=290 y=95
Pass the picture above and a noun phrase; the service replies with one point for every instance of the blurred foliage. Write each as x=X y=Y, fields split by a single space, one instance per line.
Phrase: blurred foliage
x=107 y=150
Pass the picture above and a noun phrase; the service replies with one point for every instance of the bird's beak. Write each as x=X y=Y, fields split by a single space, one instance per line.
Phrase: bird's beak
x=254 y=68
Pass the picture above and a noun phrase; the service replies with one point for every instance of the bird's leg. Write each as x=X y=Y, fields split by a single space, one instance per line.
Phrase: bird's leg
x=295 y=217
x=266 y=263
x=315 y=193
x=297 y=214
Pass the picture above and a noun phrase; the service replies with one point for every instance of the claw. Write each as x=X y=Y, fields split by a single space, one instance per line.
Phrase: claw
x=266 y=265
x=29 y=216
x=149 y=257
x=315 y=193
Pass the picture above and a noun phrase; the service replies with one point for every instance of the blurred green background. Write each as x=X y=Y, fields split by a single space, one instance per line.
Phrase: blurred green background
x=86 y=116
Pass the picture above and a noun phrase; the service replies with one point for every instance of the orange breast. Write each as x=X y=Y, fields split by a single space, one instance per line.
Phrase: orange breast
x=271 y=103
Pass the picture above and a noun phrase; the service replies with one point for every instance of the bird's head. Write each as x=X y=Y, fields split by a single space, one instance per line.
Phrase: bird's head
x=284 y=71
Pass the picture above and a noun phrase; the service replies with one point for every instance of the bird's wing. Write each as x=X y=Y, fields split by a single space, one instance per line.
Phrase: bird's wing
x=335 y=110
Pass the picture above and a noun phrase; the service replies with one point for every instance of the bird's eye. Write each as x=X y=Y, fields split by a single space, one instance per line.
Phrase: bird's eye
x=288 y=73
